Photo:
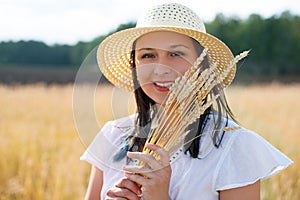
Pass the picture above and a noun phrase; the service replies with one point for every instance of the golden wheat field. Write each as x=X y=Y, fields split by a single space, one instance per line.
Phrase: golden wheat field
x=40 y=145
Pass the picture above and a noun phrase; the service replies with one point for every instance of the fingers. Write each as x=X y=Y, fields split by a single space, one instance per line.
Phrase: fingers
x=149 y=159
x=136 y=178
x=140 y=174
x=164 y=155
x=132 y=186
x=124 y=189
x=120 y=194
x=150 y=163
x=154 y=175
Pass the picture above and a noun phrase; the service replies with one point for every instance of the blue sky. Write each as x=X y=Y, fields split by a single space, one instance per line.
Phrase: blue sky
x=70 y=21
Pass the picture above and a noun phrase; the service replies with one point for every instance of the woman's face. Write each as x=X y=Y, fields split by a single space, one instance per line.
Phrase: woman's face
x=160 y=58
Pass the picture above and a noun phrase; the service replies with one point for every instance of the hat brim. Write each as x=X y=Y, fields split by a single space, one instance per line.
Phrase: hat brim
x=114 y=54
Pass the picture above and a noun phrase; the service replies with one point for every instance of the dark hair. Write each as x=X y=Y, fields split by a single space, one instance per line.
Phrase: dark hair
x=145 y=104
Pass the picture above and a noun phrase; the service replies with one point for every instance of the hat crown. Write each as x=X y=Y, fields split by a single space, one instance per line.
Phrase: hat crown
x=171 y=15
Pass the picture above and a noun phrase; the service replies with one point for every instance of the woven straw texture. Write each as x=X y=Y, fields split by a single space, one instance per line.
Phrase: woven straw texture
x=114 y=53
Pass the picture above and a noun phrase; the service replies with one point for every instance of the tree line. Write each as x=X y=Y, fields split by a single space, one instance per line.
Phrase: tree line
x=274 y=44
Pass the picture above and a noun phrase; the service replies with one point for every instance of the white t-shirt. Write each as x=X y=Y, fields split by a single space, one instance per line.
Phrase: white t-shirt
x=242 y=158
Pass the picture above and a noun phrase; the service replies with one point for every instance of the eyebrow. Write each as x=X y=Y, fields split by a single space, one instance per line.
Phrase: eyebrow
x=171 y=47
x=179 y=45
x=145 y=49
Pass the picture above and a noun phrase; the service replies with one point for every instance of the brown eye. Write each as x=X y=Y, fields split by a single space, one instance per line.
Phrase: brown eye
x=177 y=53
x=147 y=55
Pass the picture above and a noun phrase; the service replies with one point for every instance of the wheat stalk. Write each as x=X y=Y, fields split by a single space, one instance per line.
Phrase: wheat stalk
x=185 y=103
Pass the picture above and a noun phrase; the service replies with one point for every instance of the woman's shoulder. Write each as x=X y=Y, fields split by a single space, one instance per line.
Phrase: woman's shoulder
x=107 y=142
x=122 y=122
x=246 y=157
x=238 y=136
x=232 y=133
x=219 y=137
x=119 y=126
x=114 y=131
x=233 y=138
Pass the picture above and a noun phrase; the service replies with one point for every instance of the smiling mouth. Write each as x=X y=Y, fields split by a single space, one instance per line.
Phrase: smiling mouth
x=163 y=86
x=167 y=84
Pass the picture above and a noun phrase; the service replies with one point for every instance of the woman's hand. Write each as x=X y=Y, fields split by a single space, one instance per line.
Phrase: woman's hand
x=154 y=176
x=125 y=189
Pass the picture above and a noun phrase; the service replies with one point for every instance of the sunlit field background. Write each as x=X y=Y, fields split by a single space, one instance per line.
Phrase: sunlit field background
x=40 y=146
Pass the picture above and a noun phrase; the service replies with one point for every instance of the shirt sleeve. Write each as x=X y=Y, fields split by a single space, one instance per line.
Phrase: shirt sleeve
x=100 y=152
x=247 y=159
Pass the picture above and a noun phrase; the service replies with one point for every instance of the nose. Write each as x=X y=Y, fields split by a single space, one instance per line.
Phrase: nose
x=161 y=69
x=163 y=65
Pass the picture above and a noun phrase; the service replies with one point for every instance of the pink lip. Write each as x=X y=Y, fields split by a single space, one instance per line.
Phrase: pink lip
x=160 y=88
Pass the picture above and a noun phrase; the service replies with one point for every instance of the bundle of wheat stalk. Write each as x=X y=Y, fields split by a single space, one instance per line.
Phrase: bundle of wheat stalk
x=185 y=103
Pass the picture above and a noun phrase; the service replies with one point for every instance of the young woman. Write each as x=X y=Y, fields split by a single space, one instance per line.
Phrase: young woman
x=218 y=163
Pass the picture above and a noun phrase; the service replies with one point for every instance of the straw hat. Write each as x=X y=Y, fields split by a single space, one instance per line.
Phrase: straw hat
x=114 y=52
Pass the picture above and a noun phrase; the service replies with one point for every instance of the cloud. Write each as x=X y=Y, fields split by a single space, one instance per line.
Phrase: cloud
x=69 y=21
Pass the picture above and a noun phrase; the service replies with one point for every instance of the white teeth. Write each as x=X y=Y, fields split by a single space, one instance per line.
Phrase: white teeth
x=168 y=84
